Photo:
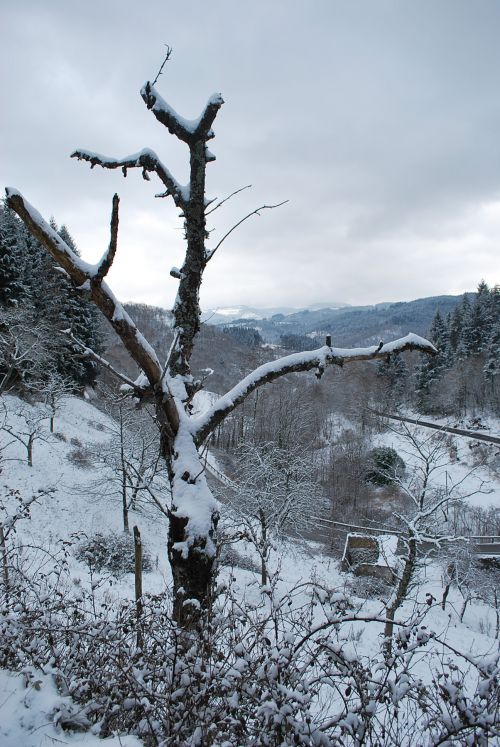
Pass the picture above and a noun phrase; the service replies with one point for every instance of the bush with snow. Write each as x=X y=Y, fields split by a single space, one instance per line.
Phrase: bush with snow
x=111 y=552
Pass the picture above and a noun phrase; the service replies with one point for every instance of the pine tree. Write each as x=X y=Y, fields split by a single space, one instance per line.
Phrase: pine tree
x=394 y=374
x=465 y=339
x=70 y=310
x=492 y=365
x=454 y=324
x=12 y=287
x=432 y=369
x=480 y=321
x=46 y=300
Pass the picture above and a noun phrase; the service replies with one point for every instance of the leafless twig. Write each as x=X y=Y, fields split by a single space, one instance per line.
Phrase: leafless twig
x=211 y=253
x=236 y=191
x=167 y=57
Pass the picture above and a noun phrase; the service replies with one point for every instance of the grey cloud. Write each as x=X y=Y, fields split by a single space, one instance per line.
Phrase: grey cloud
x=379 y=121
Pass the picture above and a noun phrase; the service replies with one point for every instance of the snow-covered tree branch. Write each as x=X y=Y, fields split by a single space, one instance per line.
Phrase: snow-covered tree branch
x=309 y=360
x=148 y=161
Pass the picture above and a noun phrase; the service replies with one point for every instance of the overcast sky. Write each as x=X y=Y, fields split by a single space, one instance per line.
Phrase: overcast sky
x=378 y=119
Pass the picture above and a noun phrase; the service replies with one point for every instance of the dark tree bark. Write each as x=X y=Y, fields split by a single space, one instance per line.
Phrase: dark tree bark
x=193 y=514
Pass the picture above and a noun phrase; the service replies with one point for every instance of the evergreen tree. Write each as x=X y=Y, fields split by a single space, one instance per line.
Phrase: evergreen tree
x=492 y=365
x=48 y=301
x=454 y=324
x=433 y=368
x=71 y=310
x=465 y=339
x=479 y=323
x=394 y=374
x=12 y=287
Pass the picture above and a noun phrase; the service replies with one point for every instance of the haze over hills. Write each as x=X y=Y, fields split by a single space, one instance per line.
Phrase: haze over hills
x=349 y=325
x=227 y=314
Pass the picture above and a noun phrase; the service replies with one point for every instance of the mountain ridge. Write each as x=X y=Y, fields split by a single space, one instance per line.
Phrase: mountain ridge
x=351 y=325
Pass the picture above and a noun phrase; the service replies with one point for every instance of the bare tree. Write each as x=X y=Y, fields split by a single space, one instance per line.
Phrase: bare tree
x=29 y=427
x=430 y=496
x=26 y=347
x=52 y=393
x=13 y=508
x=135 y=472
x=273 y=495
x=194 y=511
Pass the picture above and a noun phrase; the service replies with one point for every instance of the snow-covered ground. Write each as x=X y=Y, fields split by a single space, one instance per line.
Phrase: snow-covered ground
x=63 y=469
x=31 y=712
x=470 y=465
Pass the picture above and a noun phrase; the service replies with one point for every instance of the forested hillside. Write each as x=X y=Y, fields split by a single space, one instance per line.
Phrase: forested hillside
x=38 y=307
x=355 y=325
x=465 y=373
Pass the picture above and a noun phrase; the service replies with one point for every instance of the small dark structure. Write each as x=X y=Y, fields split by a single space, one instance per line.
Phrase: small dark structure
x=372 y=556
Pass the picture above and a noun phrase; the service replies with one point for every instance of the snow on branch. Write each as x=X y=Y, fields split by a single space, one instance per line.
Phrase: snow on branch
x=188 y=130
x=139 y=391
x=308 y=360
x=84 y=274
x=145 y=159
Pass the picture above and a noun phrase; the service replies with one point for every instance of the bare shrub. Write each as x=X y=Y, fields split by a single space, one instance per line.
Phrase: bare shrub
x=111 y=552
x=231 y=557
x=81 y=457
x=262 y=674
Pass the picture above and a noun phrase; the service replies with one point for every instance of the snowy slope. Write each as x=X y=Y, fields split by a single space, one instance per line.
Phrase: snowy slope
x=72 y=503
x=27 y=714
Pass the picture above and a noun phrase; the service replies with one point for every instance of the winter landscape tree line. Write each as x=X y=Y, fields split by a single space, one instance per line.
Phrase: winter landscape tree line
x=464 y=375
x=38 y=304
x=204 y=664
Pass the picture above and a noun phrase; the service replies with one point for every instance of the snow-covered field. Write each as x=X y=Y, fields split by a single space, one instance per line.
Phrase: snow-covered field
x=470 y=464
x=63 y=470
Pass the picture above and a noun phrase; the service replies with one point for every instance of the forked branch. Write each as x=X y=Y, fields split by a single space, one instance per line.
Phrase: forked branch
x=84 y=274
x=226 y=199
x=188 y=130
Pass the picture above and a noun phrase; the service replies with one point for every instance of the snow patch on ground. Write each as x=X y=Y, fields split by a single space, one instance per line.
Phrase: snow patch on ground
x=31 y=710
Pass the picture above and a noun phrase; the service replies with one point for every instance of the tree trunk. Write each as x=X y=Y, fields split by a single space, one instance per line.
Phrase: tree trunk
x=192 y=573
x=138 y=584
x=264 y=548
x=464 y=607
x=445 y=596
x=5 y=564
x=124 y=478
x=191 y=555
x=124 y=504
x=29 y=448
x=400 y=594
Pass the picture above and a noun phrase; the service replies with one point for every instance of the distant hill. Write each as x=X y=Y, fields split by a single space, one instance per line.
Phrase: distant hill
x=232 y=356
x=354 y=325
x=227 y=314
x=229 y=356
